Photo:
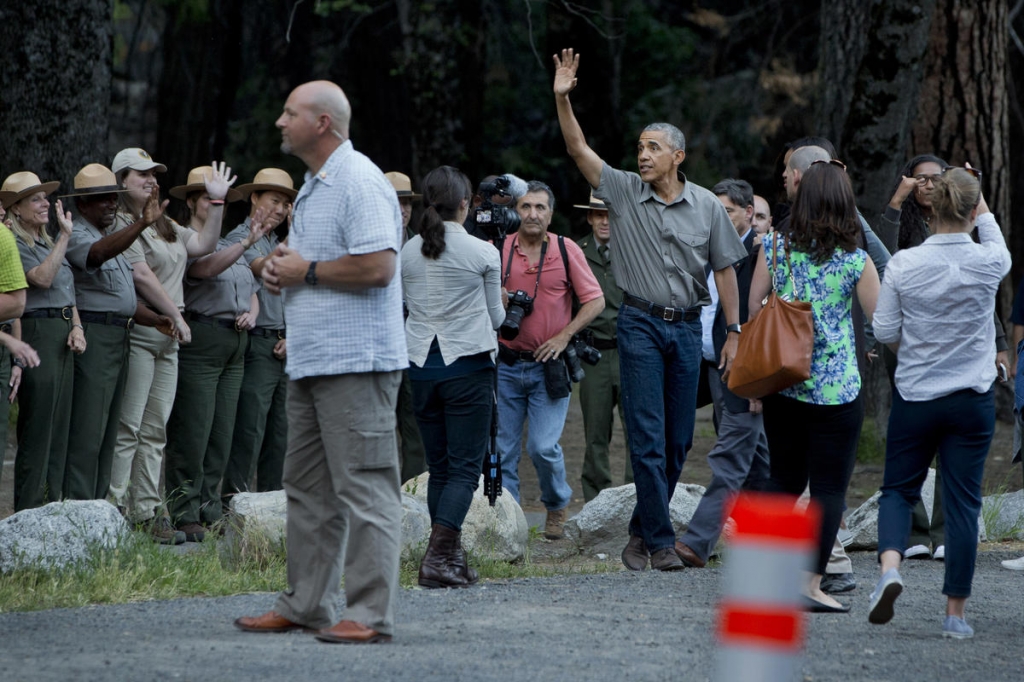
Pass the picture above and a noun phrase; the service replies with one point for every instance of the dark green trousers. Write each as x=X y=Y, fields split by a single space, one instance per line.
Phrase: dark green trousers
x=202 y=421
x=100 y=374
x=5 y=403
x=261 y=424
x=44 y=414
x=414 y=456
x=929 y=532
x=600 y=392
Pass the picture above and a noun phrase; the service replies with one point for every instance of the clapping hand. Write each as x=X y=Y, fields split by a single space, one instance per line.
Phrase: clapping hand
x=64 y=219
x=153 y=209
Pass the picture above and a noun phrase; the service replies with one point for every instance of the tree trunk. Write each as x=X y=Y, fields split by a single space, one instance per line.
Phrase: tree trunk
x=55 y=86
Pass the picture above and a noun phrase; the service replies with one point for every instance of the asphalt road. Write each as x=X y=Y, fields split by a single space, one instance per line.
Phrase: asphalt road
x=617 y=626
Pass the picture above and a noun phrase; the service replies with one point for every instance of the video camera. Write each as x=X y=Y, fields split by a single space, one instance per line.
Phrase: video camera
x=497 y=215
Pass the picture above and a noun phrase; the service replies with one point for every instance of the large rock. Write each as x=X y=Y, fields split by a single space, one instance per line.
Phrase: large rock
x=59 y=535
x=1004 y=515
x=259 y=521
x=499 y=532
x=602 y=526
x=863 y=521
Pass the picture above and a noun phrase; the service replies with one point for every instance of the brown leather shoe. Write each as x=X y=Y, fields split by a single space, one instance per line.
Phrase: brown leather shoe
x=351 y=632
x=271 y=621
x=634 y=556
x=667 y=560
x=688 y=556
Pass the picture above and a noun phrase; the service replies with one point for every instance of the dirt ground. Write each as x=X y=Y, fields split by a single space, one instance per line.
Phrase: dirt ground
x=1000 y=475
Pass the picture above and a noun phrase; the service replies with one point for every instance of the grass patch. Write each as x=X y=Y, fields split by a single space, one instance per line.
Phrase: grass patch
x=137 y=569
x=871 y=446
x=996 y=527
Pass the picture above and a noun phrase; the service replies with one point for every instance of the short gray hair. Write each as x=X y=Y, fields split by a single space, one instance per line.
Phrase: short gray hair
x=803 y=157
x=739 y=192
x=675 y=135
x=538 y=186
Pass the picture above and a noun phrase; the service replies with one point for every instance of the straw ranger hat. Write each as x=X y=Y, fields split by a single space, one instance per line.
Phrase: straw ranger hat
x=95 y=179
x=272 y=179
x=17 y=186
x=136 y=159
x=195 y=183
x=402 y=185
x=594 y=205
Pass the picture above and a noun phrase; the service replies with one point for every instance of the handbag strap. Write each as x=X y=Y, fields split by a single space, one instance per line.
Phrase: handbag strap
x=789 y=265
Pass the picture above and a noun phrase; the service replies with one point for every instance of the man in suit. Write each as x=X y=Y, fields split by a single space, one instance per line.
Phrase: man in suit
x=740 y=456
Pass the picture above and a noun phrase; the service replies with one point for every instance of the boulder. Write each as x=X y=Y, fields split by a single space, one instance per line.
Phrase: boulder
x=59 y=535
x=259 y=521
x=602 y=526
x=1004 y=515
x=499 y=533
x=863 y=521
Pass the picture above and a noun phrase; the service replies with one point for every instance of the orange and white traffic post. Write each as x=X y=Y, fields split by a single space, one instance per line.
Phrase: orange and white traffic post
x=761 y=620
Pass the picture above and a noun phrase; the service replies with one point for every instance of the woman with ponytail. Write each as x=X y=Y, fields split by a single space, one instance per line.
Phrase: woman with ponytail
x=934 y=311
x=452 y=284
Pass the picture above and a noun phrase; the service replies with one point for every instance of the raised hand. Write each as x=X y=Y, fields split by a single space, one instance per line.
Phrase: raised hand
x=565 y=71
x=217 y=185
x=905 y=189
x=64 y=219
x=153 y=209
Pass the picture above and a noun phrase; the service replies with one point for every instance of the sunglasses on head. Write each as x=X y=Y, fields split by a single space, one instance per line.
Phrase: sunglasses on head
x=832 y=162
x=973 y=171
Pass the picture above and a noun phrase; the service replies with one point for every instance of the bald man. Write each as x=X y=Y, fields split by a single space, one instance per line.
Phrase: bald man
x=342 y=293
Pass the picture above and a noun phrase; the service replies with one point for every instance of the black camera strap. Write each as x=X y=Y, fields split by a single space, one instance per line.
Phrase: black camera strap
x=540 y=264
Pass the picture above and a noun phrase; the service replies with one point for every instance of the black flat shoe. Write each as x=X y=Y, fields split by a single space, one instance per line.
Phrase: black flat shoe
x=814 y=606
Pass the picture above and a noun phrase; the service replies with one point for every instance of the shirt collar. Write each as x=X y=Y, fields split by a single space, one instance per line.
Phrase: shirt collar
x=452 y=226
x=950 y=238
x=329 y=171
x=647 y=192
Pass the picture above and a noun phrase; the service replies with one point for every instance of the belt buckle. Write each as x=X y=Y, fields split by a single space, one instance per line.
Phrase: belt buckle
x=280 y=334
x=668 y=314
x=130 y=323
x=237 y=328
x=65 y=313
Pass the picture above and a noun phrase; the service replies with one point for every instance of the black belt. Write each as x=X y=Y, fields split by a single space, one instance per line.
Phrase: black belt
x=63 y=313
x=213 y=321
x=264 y=332
x=107 y=318
x=661 y=312
x=511 y=357
x=605 y=344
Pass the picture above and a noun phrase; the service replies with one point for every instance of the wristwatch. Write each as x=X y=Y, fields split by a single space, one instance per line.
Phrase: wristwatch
x=732 y=328
x=311 y=274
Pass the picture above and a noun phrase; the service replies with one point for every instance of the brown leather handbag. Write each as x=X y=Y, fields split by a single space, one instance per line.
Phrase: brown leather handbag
x=775 y=348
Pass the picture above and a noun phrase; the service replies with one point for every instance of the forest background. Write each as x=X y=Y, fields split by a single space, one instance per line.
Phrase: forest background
x=468 y=83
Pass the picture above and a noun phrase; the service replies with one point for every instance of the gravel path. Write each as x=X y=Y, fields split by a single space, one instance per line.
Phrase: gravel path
x=617 y=626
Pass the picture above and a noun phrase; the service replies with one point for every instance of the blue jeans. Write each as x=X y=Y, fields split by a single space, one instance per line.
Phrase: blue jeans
x=454 y=417
x=960 y=425
x=521 y=397
x=659 y=366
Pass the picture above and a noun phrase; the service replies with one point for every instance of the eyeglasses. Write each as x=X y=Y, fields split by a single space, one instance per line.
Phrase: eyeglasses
x=923 y=179
x=973 y=171
x=832 y=162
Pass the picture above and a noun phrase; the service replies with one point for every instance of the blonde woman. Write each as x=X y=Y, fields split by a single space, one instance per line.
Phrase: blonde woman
x=158 y=258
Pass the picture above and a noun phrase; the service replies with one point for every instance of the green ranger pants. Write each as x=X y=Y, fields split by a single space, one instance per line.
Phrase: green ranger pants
x=599 y=394
x=44 y=413
x=202 y=421
x=261 y=424
x=100 y=375
x=5 y=403
x=414 y=457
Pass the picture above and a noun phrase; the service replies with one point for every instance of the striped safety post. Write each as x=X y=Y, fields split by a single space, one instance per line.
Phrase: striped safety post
x=761 y=620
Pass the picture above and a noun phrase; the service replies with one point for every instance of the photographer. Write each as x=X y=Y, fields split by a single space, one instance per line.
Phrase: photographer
x=452 y=288
x=539 y=276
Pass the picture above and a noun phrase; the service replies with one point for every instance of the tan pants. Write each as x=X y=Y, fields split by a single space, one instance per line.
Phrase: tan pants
x=142 y=430
x=341 y=479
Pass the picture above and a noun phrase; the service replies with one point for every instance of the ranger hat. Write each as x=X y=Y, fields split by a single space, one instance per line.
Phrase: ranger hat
x=17 y=186
x=273 y=179
x=402 y=185
x=95 y=179
x=197 y=183
x=594 y=205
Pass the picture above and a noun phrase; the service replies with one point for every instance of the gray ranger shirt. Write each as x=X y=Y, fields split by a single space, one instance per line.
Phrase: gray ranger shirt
x=108 y=288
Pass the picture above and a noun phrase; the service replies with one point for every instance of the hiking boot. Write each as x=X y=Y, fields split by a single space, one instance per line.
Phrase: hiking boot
x=461 y=562
x=162 y=532
x=439 y=566
x=553 y=524
x=193 y=532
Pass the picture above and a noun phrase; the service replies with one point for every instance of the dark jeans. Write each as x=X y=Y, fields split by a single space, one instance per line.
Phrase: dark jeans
x=659 y=365
x=454 y=416
x=815 y=444
x=960 y=425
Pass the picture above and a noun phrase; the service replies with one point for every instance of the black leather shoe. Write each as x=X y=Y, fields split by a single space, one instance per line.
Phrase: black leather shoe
x=634 y=556
x=814 y=606
x=667 y=560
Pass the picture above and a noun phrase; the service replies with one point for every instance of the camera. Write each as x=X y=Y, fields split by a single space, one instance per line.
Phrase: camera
x=497 y=218
x=519 y=306
x=579 y=349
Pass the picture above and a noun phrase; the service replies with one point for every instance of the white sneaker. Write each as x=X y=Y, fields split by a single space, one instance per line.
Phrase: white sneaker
x=1014 y=564
x=940 y=553
x=917 y=552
